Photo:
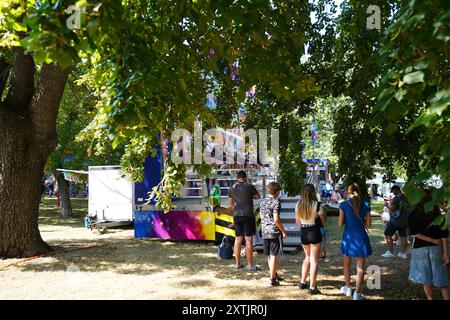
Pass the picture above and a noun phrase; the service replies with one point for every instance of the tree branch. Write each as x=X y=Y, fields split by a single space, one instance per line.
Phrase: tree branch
x=45 y=105
x=21 y=86
x=4 y=73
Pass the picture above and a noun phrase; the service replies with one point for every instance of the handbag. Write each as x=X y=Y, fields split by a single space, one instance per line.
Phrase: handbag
x=318 y=221
x=225 y=249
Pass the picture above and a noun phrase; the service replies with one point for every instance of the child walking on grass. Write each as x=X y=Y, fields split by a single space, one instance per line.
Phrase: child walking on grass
x=272 y=230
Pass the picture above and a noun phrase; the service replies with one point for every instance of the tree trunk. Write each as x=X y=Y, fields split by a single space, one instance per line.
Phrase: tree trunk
x=20 y=188
x=27 y=137
x=64 y=196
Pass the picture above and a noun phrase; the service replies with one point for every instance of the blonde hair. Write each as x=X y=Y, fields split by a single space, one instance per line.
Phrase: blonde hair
x=353 y=192
x=305 y=209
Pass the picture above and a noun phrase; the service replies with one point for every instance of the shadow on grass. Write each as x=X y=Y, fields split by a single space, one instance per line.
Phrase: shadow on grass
x=184 y=260
x=189 y=259
x=49 y=213
x=152 y=255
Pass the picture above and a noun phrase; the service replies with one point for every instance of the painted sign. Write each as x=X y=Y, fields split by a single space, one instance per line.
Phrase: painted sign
x=180 y=225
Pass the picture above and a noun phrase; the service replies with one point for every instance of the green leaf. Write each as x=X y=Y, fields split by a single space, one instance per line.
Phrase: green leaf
x=396 y=111
x=376 y=121
x=19 y=27
x=429 y=206
x=182 y=85
x=391 y=128
x=445 y=151
x=423 y=64
x=399 y=94
x=384 y=99
x=413 y=193
x=413 y=77
x=39 y=56
x=440 y=102
x=424 y=120
x=115 y=142
x=277 y=90
x=422 y=176
x=241 y=94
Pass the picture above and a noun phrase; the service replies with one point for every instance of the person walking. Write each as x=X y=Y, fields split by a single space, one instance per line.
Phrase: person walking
x=354 y=214
x=310 y=216
x=398 y=222
x=241 y=198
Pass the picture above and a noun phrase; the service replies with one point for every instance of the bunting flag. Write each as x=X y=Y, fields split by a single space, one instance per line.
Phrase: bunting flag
x=71 y=177
x=314 y=133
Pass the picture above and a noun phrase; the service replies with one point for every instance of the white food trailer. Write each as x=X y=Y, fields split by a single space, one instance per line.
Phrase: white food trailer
x=111 y=195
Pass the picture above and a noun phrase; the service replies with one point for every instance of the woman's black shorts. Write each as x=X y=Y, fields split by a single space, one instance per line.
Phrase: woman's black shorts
x=310 y=234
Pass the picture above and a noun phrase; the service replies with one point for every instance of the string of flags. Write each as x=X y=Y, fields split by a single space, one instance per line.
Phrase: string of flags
x=72 y=177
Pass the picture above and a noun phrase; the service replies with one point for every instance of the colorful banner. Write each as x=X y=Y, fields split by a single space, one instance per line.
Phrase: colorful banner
x=179 y=225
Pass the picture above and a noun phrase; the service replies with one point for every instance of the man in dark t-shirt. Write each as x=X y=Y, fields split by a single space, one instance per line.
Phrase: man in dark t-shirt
x=241 y=200
x=398 y=222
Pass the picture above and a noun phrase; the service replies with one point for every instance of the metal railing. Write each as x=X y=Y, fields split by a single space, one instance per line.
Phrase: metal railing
x=200 y=188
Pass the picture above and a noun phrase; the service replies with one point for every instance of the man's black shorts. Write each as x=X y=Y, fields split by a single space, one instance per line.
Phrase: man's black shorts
x=273 y=247
x=245 y=226
x=391 y=229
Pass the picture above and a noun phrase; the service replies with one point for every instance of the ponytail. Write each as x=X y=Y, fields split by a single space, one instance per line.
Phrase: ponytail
x=353 y=191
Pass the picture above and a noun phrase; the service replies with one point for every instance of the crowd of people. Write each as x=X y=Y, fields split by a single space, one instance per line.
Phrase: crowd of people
x=429 y=264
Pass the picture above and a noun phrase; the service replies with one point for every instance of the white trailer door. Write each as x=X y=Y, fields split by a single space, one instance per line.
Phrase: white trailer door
x=110 y=194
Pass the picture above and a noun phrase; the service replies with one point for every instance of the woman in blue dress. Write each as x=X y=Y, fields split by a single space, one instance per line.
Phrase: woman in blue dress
x=354 y=214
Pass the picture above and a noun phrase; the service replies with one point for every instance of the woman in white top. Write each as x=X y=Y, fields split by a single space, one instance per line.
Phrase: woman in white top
x=310 y=216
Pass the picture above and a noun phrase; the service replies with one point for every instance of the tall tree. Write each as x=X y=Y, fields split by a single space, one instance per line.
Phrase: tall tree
x=149 y=61
x=28 y=136
x=77 y=111
x=415 y=89
x=359 y=147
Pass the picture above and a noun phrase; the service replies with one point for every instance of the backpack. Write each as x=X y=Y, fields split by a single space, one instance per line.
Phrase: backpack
x=225 y=249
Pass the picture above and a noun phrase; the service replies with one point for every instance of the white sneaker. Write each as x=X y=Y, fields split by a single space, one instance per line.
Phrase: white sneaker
x=358 y=296
x=388 y=254
x=402 y=255
x=346 y=291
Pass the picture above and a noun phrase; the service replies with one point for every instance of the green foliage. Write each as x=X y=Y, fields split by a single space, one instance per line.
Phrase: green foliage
x=415 y=86
x=174 y=175
x=323 y=114
x=150 y=64
x=292 y=168
x=266 y=111
x=361 y=147
x=76 y=111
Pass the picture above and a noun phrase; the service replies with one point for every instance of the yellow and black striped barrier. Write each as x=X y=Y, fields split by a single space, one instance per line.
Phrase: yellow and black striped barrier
x=225 y=222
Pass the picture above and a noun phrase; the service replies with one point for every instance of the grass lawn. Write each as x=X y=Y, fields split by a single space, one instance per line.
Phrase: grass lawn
x=377 y=206
x=121 y=267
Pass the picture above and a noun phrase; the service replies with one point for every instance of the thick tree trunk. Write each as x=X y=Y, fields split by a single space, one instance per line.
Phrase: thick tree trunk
x=27 y=137
x=20 y=188
x=64 y=196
